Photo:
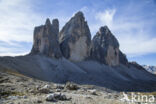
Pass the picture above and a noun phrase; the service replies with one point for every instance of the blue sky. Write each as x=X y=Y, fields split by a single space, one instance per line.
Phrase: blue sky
x=133 y=22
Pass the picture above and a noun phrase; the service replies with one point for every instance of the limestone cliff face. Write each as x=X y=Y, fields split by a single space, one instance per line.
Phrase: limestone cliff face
x=105 y=47
x=74 y=42
x=46 y=39
x=75 y=39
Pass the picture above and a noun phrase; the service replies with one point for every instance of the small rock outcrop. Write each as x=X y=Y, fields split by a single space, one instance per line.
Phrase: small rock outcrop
x=136 y=65
x=71 y=86
x=56 y=96
x=122 y=58
x=105 y=47
x=75 y=39
x=46 y=39
x=45 y=89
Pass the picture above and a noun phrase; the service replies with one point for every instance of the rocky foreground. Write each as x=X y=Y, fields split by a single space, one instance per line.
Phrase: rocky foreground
x=18 y=89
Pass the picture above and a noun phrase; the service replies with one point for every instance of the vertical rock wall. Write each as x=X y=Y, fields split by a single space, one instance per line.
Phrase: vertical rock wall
x=75 y=38
x=46 y=39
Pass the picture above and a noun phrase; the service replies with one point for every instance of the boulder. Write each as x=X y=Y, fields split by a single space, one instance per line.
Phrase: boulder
x=50 y=97
x=59 y=86
x=46 y=39
x=71 y=86
x=56 y=97
x=45 y=89
x=75 y=39
x=105 y=47
x=93 y=91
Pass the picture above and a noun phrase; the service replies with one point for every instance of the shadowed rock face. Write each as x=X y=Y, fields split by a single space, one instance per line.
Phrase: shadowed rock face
x=122 y=58
x=136 y=65
x=46 y=39
x=75 y=38
x=105 y=47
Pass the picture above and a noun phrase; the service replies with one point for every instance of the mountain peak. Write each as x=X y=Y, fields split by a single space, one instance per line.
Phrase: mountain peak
x=55 y=26
x=104 y=30
x=106 y=34
x=79 y=14
x=46 y=39
x=75 y=38
x=105 y=48
x=47 y=22
x=55 y=21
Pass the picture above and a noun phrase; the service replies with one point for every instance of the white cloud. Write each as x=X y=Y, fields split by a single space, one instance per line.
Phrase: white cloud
x=84 y=9
x=13 y=50
x=133 y=37
x=137 y=45
x=13 y=54
x=106 y=17
x=17 y=20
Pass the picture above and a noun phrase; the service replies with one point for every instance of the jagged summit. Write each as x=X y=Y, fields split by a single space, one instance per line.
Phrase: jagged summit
x=108 y=37
x=105 y=47
x=77 y=21
x=48 y=23
x=75 y=38
x=74 y=42
x=79 y=14
x=55 y=26
x=46 y=40
x=104 y=30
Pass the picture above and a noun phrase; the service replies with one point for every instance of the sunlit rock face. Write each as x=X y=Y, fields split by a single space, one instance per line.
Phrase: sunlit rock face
x=75 y=39
x=105 y=47
x=46 y=39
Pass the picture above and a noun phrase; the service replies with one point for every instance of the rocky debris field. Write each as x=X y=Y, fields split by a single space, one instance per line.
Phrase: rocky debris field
x=18 y=89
